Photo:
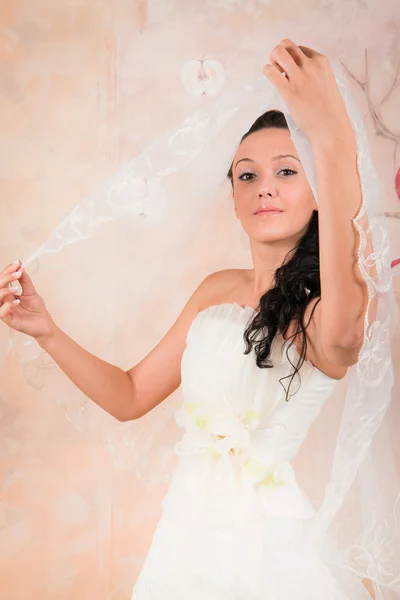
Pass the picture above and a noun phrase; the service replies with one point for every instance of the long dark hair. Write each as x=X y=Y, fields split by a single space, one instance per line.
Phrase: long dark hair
x=296 y=282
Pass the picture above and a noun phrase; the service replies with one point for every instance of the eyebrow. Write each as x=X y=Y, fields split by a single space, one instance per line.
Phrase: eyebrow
x=273 y=158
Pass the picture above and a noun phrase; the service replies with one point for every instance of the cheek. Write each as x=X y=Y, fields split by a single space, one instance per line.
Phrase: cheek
x=244 y=201
x=299 y=203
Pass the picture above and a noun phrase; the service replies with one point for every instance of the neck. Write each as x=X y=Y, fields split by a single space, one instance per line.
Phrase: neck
x=267 y=258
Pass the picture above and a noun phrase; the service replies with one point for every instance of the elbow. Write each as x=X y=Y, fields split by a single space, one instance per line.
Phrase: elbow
x=127 y=418
x=344 y=348
x=121 y=419
x=345 y=355
x=129 y=415
x=129 y=409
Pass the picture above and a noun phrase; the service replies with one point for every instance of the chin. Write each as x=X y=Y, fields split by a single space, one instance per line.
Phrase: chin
x=270 y=234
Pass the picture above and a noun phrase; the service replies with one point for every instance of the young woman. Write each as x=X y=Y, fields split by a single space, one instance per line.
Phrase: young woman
x=257 y=352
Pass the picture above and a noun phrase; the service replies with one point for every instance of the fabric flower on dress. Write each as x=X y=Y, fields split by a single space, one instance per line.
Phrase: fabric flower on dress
x=236 y=444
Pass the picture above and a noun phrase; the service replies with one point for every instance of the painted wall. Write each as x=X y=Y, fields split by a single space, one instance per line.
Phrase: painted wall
x=85 y=86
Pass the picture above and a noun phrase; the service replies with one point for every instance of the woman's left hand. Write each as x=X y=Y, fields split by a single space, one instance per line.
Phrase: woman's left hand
x=309 y=90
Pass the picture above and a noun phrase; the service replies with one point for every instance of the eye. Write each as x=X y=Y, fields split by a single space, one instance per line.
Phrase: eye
x=247 y=176
x=291 y=171
x=241 y=177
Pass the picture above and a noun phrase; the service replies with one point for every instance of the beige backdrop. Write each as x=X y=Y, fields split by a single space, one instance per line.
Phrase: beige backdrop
x=84 y=87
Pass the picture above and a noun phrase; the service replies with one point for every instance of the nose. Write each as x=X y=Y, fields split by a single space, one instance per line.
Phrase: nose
x=267 y=191
x=267 y=185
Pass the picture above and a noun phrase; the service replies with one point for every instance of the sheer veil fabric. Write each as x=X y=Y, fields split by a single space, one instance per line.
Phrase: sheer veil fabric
x=151 y=228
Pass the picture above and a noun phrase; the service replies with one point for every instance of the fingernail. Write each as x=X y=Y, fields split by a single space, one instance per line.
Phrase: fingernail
x=15 y=262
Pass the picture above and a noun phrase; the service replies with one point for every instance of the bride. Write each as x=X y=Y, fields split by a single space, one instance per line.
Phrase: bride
x=257 y=353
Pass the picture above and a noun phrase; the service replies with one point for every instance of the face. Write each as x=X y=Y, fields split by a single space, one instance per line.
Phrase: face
x=261 y=178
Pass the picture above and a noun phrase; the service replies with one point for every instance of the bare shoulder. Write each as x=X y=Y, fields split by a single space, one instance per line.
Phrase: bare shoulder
x=232 y=285
x=227 y=285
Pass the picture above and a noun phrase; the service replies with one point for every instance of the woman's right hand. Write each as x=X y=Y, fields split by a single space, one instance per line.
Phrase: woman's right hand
x=30 y=315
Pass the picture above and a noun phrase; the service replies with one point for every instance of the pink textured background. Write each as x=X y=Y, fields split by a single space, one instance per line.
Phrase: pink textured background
x=79 y=96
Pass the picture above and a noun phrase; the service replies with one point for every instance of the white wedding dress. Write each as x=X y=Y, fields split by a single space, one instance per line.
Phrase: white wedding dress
x=234 y=517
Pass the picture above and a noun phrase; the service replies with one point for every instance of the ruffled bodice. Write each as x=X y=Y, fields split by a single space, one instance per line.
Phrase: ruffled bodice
x=240 y=435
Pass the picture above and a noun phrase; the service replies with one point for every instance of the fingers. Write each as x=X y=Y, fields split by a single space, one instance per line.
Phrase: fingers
x=26 y=283
x=6 y=307
x=6 y=294
x=15 y=265
x=11 y=268
x=283 y=60
x=10 y=274
x=13 y=275
x=8 y=277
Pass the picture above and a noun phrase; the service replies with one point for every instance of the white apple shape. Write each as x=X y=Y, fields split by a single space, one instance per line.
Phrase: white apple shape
x=204 y=77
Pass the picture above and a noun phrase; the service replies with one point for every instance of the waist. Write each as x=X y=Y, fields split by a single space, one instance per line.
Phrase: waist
x=218 y=482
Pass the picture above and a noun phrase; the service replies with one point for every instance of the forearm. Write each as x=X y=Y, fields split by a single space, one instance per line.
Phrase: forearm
x=344 y=294
x=107 y=385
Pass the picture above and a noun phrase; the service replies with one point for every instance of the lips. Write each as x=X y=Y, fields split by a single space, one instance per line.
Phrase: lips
x=268 y=210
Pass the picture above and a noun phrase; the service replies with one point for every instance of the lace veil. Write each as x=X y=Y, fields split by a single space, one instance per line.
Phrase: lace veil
x=120 y=267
